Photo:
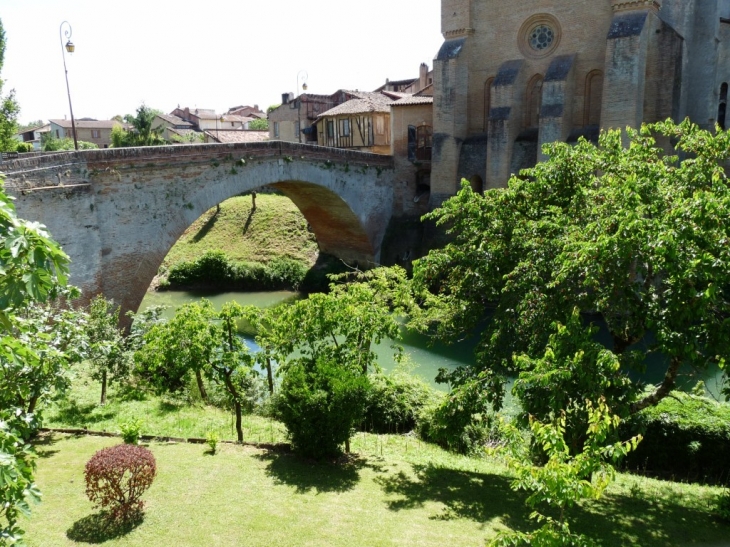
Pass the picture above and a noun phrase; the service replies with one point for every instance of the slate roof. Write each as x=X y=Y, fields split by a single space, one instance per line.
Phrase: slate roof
x=367 y=102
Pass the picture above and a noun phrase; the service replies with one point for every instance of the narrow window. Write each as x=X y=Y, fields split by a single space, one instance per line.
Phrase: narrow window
x=722 y=110
x=487 y=101
x=533 y=102
x=379 y=125
x=296 y=129
x=412 y=143
x=330 y=129
x=346 y=128
x=593 y=98
x=276 y=130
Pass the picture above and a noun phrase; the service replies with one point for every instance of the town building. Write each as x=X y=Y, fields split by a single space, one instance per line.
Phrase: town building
x=97 y=132
x=510 y=77
x=33 y=135
x=362 y=123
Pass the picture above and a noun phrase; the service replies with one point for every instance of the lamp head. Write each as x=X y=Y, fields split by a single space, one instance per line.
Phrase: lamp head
x=70 y=47
x=304 y=86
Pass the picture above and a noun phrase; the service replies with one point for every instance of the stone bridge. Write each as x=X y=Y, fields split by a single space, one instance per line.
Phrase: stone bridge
x=117 y=212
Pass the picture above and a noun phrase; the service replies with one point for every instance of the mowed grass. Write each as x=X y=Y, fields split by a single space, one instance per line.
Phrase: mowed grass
x=395 y=492
x=276 y=229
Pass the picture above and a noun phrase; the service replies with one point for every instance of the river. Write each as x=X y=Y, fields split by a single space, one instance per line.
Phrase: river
x=425 y=358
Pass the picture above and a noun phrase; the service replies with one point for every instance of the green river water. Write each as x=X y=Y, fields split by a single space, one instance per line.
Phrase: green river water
x=425 y=359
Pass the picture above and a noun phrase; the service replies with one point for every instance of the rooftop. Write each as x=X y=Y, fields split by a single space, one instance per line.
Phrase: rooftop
x=368 y=102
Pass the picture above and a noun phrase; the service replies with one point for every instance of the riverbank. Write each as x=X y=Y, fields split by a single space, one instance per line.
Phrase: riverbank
x=269 y=247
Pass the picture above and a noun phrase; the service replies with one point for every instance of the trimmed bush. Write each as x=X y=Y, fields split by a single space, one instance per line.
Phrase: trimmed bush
x=216 y=270
x=116 y=477
x=131 y=431
x=320 y=403
x=686 y=437
x=396 y=401
x=461 y=422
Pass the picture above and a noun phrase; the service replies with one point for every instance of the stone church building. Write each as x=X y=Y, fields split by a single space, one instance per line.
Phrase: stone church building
x=511 y=76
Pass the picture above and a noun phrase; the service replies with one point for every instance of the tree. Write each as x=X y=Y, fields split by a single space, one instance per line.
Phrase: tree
x=259 y=124
x=324 y=348
x=106 y=352
x=625 y=232
x=33 y=268
x=32 y=125
x=143 y=133
x=566 y=477
x=173 y=350
x=9 y=107
x=50 y=143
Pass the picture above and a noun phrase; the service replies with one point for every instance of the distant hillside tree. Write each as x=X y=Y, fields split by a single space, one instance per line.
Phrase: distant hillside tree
x=142 y=132
x=261 y=124
x=9 y=107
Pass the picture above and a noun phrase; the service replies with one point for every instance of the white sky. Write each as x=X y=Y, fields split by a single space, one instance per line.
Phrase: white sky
x=213 y=54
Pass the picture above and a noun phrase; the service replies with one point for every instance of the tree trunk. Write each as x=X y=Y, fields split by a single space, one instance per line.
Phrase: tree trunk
x=269 y=376
x=32 y=404
x=347 y=446
x=201 y=387
x=253 y=201
x=662 y=391
x=239 y=429
x=103 y=387
x=236 y=403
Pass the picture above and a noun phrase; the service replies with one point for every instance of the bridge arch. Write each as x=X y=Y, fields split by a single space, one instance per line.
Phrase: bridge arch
x=118 y=212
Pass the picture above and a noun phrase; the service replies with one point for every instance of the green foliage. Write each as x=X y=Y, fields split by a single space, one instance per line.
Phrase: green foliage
x=49 y=143
x=566 y=478
x=627 y=232
x=117 y=476
x=24 y=147
x=461 y=422
x=9 y=107
x=573 y=369
x=107 y=352
x=396 y=401
x=176 y=349
x=215 y=270
x=33 y=268
x=722 y=506
x=17 y=487
x=142 y=133
x=319 y=402
x=131 y=431
x=211 y=439
x=259 y=124
x=685 y=437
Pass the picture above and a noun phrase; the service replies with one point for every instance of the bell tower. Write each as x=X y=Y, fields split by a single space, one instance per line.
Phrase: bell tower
x=455 y=18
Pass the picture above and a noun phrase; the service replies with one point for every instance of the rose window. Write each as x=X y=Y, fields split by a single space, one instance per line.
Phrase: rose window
x=541 y=37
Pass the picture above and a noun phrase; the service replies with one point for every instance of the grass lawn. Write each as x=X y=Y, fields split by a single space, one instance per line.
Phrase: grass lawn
x=411 y=495
x=276 y=228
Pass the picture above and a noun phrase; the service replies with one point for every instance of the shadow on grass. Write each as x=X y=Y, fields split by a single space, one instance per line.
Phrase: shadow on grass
x=166 y=407
x=307 y=475
x=98 y=528
x=648 y=521
x=465 y=495
x=248 y=221
x=663 y=519
x=207 y=227
x=73 y=414
x=41 y=442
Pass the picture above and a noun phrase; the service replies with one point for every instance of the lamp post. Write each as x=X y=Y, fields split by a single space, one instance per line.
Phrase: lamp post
x=70 y=47
x=302 y=76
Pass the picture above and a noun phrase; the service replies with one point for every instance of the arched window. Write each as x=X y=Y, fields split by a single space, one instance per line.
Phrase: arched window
x=533 y=102
x=476 y=183
x=593 y=98
x=722 y=109
x=487 y=101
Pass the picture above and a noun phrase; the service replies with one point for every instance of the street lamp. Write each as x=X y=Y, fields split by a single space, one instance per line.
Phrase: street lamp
x=70 y=47
x=302 y=76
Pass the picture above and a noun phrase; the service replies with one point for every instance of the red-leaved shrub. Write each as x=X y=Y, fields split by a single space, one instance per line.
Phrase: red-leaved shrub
x=116 y=477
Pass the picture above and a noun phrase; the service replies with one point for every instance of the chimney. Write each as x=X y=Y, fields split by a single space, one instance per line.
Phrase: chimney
x=255 y=107
x=286 y=98
x=423 y=76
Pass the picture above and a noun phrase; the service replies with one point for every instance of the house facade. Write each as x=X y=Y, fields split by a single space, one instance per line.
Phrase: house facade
x=97 y=132
x=33 y=135
x=362 y=123
x=510 y=77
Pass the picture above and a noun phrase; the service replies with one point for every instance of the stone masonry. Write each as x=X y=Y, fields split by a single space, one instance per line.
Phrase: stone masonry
x=117 y=212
